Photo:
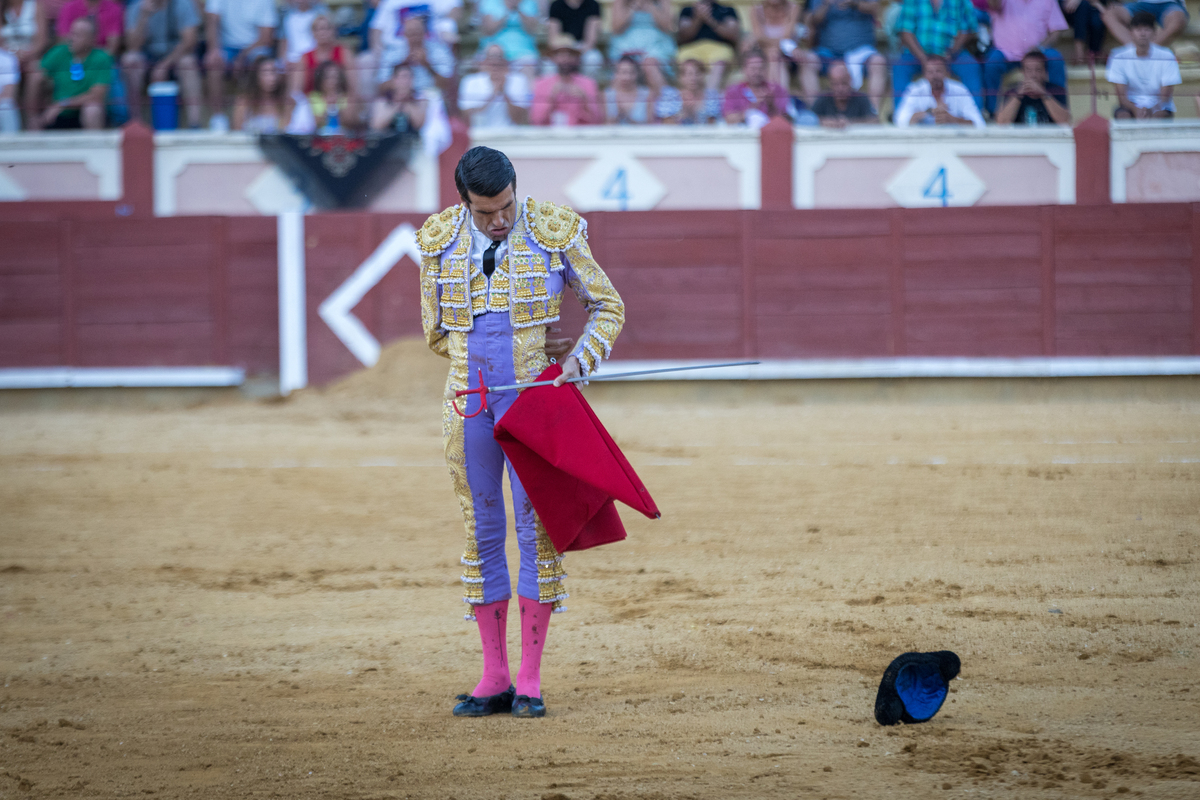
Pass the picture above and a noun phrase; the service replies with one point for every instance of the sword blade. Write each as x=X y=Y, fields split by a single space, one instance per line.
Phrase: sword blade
x=618 y=375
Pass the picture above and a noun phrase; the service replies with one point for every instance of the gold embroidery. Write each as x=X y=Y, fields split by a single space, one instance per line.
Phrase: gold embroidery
x=456 y=459
x=529 y=353
x=554 y=227
x=606 y=311
x=435 y=337
x=439 y=230
x=550 y=571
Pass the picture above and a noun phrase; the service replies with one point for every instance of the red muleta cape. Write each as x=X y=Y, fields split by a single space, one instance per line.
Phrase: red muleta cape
x=570 y=467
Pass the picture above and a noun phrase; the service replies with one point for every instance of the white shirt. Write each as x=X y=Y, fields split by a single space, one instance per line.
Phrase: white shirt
x=488 y=111
x=241 y=19
x=297 y=31
x=1145 y=77
x=10 y=69
x=481 y=241
x=918 y=97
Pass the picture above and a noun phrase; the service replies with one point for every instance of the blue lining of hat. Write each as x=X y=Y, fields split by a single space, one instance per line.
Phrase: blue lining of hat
x=922 y=689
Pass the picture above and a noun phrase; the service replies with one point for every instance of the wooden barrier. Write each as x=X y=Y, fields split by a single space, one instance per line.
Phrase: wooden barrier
x=996 y=281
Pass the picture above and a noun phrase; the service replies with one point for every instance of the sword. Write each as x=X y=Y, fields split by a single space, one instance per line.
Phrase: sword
x=484 y=389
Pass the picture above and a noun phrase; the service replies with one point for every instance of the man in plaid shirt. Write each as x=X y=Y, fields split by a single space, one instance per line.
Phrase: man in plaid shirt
x=937 y=27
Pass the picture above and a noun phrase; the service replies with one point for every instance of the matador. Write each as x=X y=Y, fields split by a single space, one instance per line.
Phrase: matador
x=493 y=273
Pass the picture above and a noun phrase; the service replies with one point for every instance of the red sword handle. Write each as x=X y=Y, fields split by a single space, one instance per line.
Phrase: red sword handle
x=482 y=391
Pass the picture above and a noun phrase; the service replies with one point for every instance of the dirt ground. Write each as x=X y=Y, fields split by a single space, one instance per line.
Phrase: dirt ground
x=211 y=596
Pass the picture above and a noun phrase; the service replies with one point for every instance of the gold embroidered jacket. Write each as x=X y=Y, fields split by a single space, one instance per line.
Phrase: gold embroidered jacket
x=547 y=250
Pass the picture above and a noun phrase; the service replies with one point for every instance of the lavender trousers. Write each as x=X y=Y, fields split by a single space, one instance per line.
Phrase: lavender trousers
x=490 y=348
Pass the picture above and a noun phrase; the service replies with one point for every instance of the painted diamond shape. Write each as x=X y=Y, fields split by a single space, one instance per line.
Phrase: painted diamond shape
x=936 y=180
x=273 y=193
x=616 y=182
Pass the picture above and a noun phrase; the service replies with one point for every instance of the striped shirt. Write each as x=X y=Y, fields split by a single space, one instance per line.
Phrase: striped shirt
x=935 y=30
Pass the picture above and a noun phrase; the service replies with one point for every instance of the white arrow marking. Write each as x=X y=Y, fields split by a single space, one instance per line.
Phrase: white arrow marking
x=335 y=310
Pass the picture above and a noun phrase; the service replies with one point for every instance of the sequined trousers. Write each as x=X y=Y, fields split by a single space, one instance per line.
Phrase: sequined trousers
x=477 y=465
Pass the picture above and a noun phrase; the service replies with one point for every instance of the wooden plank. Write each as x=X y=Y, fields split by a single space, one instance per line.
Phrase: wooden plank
x=898 y=280
x=139 y=295
x=684 y=305
x=1124 y=346
x=980 y=328
x=1104 y=248
x=994 y=346
x=748 y=295
x=819 y=223
x=825 y=336
x=145 y=345
x=150 y=232
x=1134 y=218
x=970 y=221
x=825 y=302
x=1126 y=325
x=966 y=249
x=669 y=225
x=682 y=254
x=219 y=290
x=26 y=343
x=1047 y=298
x=669 y=280
x=1196 y=278
x=1109 y=298
x=775 y=254
x=1160 y=272
x=804 y=278
x=165 y=258
x=30 y=298
x=30 y=248
x=975 y=274
x=952 y=301
x=66 y=259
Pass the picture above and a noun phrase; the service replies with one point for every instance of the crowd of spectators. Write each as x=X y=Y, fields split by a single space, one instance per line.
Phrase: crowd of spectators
x=255 y=66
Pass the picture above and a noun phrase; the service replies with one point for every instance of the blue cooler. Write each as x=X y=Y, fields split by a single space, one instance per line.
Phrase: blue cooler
x=164 y=105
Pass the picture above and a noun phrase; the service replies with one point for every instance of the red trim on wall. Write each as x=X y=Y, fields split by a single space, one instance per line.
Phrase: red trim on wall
x=137 y=170
x=1092 y=162
x=776 y=139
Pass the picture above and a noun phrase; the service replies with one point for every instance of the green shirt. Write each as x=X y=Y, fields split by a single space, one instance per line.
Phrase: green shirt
x=72 y=78
x=936 y=30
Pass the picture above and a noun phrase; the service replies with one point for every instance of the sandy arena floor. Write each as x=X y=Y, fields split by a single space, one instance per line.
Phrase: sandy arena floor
x=261 y=599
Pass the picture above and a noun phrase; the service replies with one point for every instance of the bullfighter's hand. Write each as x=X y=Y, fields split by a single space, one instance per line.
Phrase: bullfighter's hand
x=570 y=370
x=558 y=349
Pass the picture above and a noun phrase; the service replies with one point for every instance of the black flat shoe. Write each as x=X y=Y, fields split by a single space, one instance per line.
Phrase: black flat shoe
x=472 y=706
x=526 y=706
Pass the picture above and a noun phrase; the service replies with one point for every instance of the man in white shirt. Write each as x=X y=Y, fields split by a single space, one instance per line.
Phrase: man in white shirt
x=494 y=97
x=1144 y=74
x=937 y=100
x=295 y=34
x=400 y=33
x=238 y=31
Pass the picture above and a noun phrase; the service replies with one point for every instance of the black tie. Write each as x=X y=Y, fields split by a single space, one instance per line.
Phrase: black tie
x=489 y=259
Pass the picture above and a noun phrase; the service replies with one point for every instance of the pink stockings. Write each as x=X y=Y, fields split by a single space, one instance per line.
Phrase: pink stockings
x=535 y=621
x=493 y=631
x=492 y=619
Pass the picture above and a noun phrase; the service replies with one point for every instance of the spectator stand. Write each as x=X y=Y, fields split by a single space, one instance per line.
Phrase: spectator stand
x=879 y=166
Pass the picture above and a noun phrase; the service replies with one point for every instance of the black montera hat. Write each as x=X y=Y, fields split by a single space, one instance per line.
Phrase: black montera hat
x=914 y=686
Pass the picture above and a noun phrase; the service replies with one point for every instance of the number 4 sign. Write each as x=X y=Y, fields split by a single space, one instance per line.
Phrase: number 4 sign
x=933 y=180
x=615 y=182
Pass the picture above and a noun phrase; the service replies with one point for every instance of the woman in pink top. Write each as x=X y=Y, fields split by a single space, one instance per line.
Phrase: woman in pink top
x=108 y=15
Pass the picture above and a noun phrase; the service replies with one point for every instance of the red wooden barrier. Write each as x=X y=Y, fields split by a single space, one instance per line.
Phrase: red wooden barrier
x=999 y=281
